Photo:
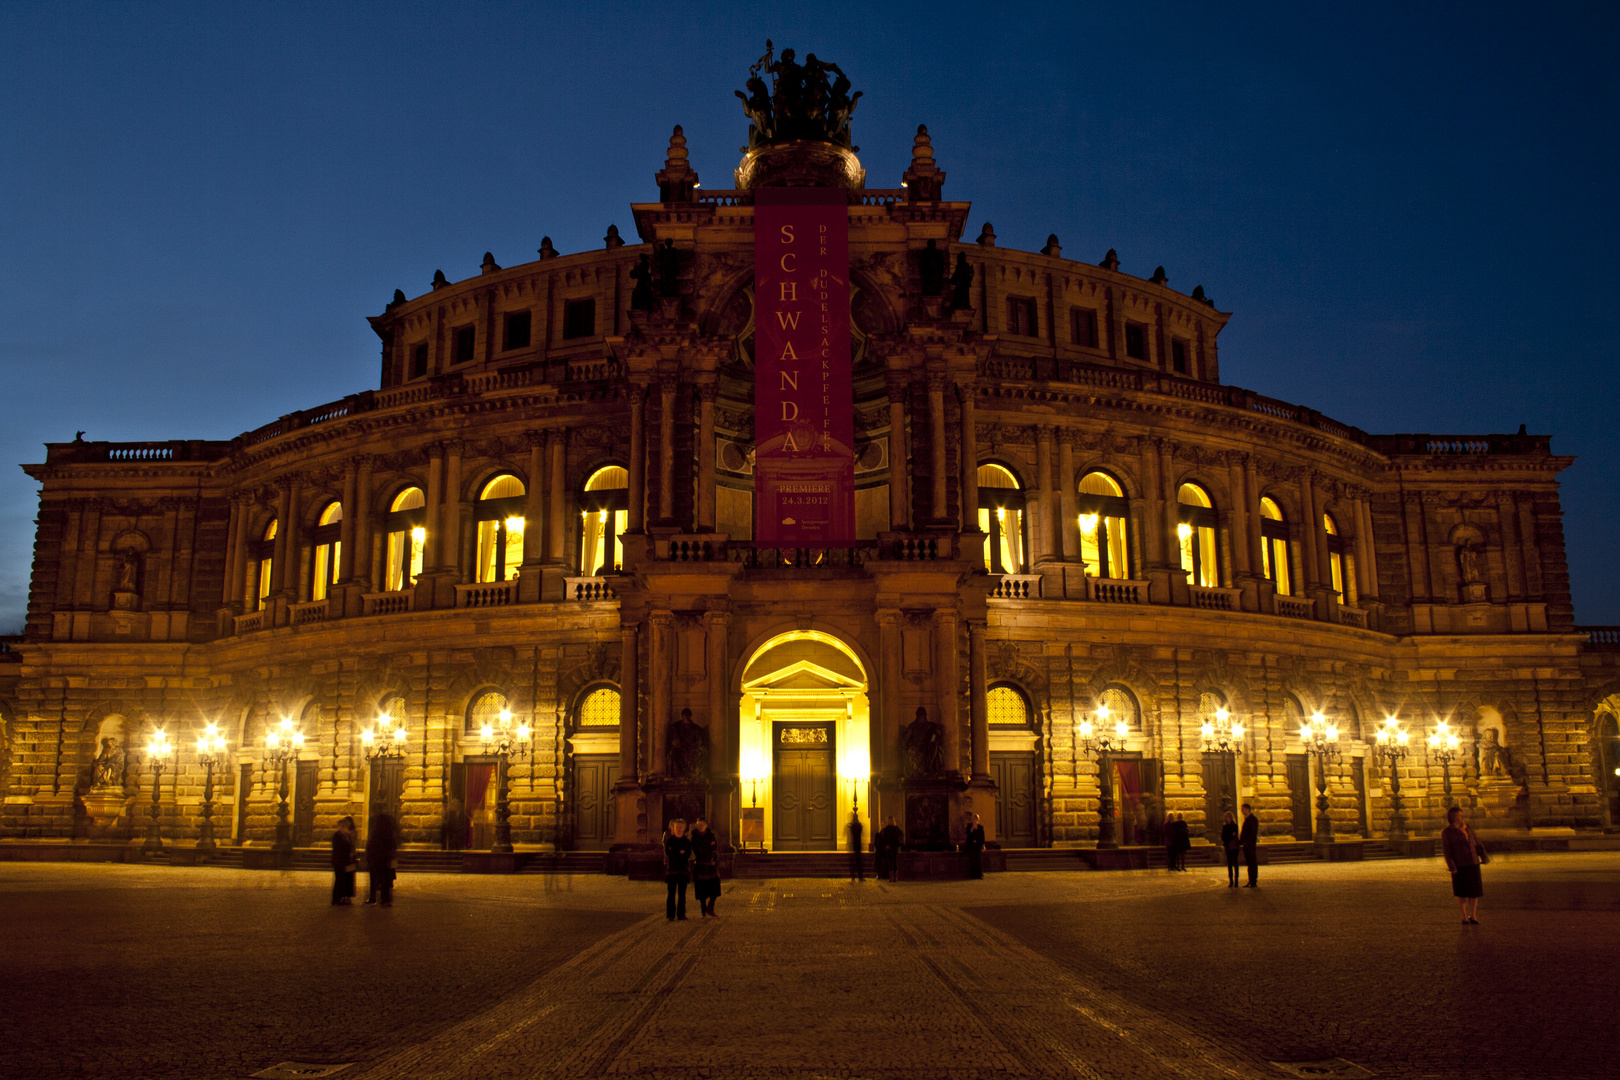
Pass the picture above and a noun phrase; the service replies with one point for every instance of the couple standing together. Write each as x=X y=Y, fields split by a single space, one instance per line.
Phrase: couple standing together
x=1245 y=840
x=694 y=858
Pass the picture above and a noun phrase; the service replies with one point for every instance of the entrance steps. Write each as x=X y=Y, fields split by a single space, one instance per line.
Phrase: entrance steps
x=791 y=864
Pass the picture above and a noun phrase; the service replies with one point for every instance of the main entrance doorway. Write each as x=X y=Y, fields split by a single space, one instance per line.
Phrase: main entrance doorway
x=805 y=788
x=803 y=744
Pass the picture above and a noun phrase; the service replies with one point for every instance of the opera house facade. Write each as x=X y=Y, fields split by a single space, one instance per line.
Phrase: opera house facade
x=608 y=544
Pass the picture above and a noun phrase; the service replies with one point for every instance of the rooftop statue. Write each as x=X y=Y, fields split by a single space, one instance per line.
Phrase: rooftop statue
x=802 y=103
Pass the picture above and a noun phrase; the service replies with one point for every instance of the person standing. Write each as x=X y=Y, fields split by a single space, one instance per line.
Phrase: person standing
x=677 y=866
x=382 y=850
x=1183 y=842
x=1249 y=841
x=343 y=864
x=1170 y=842
x=1229 y=844
x=857 y=847
x=1464 y=854
x=975 y=847
x=705 y=866
x=889 y=839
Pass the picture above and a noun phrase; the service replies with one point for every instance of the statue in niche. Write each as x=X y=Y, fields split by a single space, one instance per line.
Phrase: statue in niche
x=688 y=755
x=925 y=746
x=931 y=262
x=1468 y=563
x=1495 y=760
x=129 y=568
x=961 y=284
x=641 y=297
x=109 y=767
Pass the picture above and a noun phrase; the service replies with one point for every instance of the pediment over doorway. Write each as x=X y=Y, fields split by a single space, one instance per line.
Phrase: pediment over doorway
x=801 y=676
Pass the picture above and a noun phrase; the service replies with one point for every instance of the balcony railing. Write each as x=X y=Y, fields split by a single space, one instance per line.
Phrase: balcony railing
x=838 y=558
x=250 y=623
x=1116 y=591
x=1215 y=599
x=312 y=612
x=588 y=588
x=387 y=603
x=1601 y=637
x=1016 y=587
x=487 y=594
x=1295 y=607
x=1349 y=616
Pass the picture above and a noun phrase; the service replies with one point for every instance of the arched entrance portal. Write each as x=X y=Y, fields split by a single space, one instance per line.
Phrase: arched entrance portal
x=804 y=744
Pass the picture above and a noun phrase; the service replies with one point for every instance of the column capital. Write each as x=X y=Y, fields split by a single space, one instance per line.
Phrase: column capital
x=536 y=439
x=887 y=617
x=943 y=616
x=937 y=382
x=898 y=384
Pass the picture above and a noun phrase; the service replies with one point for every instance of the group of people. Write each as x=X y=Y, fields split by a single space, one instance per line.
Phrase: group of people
x=691 y=858
x=1244 y=840
x=382 y=860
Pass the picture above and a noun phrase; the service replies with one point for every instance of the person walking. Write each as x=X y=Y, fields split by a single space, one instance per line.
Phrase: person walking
x=1170 y=842
x=343 y=863
x=705 y=866
x=1183 y=842
x=1229 y=845
x=1249 y=841
x=382 y=851
x=975 y=847
x=857 y=847
x=677 y=866
x=1464 y=855
x=889 y=839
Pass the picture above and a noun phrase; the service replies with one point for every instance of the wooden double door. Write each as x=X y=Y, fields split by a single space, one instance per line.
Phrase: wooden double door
x=1014 y=773
x=804 y=785
x=593 y=804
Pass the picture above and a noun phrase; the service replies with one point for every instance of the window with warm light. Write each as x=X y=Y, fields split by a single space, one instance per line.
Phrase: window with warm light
x=1104 y=539
x=500 y=528
x=600 y=708
x=1007 y=708
x=405 y=539
x=1122 y=707
x=328 y=551
x=604 y=514
x=263 y=563
x=1275 y=559
x=1001 y=519
x=1340 y=566
x=1195 y=535
x=485 y=711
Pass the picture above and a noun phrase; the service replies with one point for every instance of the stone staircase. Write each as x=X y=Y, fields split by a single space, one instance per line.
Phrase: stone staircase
x=800 y=864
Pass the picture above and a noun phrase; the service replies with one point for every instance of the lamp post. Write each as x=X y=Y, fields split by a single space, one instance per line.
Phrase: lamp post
x=281 y=746
x=1223 y=736
x=504 y=740
x=210 y=752
x=1102 y=741
x=157 y=751
x=384 y=739
x=1322 y=739
x=857 y=769
x=1390 y=744
x=1443 y=744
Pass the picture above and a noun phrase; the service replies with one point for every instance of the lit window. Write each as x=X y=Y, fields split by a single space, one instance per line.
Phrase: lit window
x=1121 y=706
x=263 y=564
x=500 y=528
x=600 y=708
x=405 y=535
x=1275 y=561
x=1341 y=567
x=1103 y=517
x=485 y=711
x=1007 y=707
x=1195 y=534
x=1001 y=518
x=604 y=515
x=328 y=551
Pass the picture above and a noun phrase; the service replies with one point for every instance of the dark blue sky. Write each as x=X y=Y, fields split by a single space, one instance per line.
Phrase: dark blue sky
x=1411 y=213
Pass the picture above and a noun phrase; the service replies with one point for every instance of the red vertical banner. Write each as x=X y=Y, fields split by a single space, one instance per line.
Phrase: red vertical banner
x=804 y=422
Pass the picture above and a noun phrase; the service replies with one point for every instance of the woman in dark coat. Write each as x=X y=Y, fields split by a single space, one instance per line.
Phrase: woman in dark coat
x=343 y=864
x=1463 y=853
x=705 y=867
x=975 y=847
x=1183 y=842
x=382 y=848
x=677 y=868
x=1229 y=844
x=889 y=839
x=1170 y=842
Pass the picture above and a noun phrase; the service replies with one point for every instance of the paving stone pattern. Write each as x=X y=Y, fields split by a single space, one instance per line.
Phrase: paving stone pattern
x=208 y=973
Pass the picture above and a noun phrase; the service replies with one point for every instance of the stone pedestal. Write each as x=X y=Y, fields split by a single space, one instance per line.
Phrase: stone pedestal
x=933 y=811
x=108 y=811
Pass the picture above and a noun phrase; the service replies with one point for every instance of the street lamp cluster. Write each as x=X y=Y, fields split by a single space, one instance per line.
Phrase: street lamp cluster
x=505 y=740
x=1102 y=742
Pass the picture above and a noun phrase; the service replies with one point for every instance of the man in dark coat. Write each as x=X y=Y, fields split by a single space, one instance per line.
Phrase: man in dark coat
x=1249 y=841
x=857 y=848
x=382 y=849
x=889 y=839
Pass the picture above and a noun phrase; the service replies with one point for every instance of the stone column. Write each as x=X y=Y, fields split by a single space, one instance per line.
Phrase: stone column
x=979 y=702
x=945 y=679
x=1170 y=505
x=660 y=672
x=899 y=475
x=705 y=458
x=364 y=527
x=346 y=552
x=430 y=513
x=722 y=747
x=887 y=762
x=1369 y=549
x=1363 y=549
x=1238 y=517
x=936 y=428
x=285 y=549
x=1066 y=538
x=1153 y=557
x=535 y=521
x=636 y=520
x=1251 y=481
x=666 y=449
x=557 y=518
x=450 y=551
x=1309 y=527
x=1040 y=503
x=969 y=460
x=230 y=592
x=629 y=695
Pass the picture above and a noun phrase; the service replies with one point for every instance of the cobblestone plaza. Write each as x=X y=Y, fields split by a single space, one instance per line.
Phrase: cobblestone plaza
x=214 y=974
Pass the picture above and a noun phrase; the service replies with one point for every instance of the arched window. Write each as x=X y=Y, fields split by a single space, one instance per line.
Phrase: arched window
x=1007 y=708
x=604 y=512
x=1340 y=566
x=500 y=528
x=1209 y=703
x=405 y=534
x=1293 y=715
x=1104 y=540
x=1196 y=535
x=263 y=565
x=391 y=708
x=1001 y=518
x=600 y=708
x=328 y=550
x=485 y=710
x=1121 y=704
x=1275 y=559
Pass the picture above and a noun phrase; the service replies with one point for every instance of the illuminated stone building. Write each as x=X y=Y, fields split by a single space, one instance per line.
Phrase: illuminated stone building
x=545 y=507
